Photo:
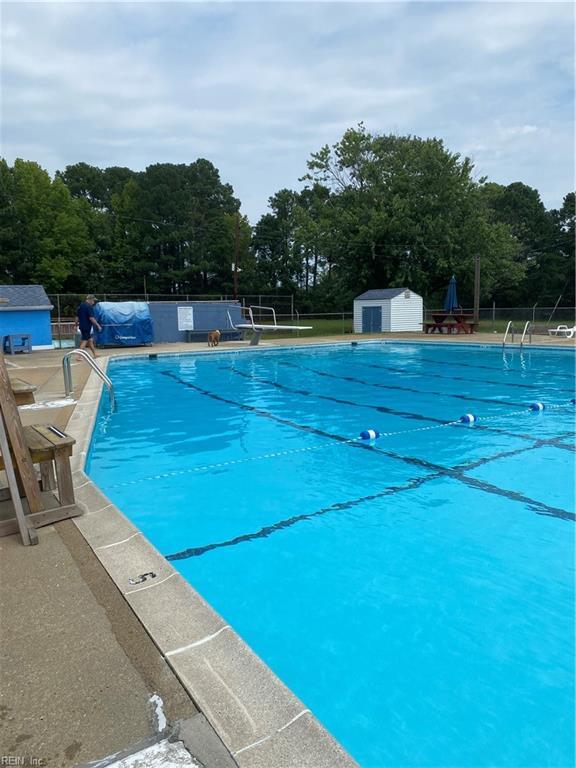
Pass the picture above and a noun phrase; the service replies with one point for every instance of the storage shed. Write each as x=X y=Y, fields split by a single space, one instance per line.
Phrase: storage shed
x=388 y=309
x=25 y=311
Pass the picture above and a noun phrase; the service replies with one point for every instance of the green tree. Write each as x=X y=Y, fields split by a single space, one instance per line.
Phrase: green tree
x=189 y=235
x=406 y=211
x=94 y=184
x=124 y=270
x=239 y=228
x=537 y=236
x=553 y=275
x=9 y=230
x=313 y=234
x=42 y=229
x=274 y=245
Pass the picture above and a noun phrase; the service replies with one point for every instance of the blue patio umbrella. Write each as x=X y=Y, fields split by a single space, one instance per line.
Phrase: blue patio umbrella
x=451 y=300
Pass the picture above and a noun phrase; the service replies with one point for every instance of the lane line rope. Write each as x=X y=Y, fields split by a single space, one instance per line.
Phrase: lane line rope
x=307 y=449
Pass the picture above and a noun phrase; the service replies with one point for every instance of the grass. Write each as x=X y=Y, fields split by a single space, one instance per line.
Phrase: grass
x=320 y=327
x=498 y=326
x=340 y=326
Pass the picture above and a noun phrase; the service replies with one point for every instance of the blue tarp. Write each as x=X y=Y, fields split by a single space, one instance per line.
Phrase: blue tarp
x=124 y=323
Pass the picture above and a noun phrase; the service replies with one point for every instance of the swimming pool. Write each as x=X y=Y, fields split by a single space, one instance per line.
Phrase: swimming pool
x=416 y=592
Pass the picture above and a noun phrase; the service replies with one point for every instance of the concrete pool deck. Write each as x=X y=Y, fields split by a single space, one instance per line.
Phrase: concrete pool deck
x=83 y=650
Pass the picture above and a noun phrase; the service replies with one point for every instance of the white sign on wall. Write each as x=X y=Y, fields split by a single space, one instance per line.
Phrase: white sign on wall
x=185 y=318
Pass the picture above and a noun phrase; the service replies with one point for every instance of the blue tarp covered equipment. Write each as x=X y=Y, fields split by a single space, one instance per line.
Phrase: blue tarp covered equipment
x=124 y=323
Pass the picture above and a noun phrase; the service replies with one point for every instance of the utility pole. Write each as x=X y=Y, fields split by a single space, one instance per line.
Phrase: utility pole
x=236 y=255
x=477 y=288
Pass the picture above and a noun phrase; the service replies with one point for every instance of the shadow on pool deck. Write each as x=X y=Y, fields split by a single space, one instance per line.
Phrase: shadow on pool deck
x=77 y=668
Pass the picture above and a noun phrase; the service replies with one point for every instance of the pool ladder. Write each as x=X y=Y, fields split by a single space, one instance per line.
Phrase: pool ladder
x=511 y=329
x=527 y=330
x=66 y=367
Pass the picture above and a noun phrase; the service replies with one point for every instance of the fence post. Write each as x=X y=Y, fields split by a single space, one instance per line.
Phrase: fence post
x=477 y=288
x=59 y=322
x=493 y=315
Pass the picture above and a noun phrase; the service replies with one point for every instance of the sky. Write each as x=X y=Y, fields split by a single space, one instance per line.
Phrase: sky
x=257 y=87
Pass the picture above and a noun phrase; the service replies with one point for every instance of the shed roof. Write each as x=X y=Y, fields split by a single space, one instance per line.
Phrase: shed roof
x=382 y=293
x=24 y=297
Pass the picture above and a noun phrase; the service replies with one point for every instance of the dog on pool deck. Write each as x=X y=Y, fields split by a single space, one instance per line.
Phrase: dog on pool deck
x=214 y=338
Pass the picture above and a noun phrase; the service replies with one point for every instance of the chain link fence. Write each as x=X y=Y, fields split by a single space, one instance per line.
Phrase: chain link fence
x=495 y=319
x=65 y=304
x=492 y=319
x=63 y=315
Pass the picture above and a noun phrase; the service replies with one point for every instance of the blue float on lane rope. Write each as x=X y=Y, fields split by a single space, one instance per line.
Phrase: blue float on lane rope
x=537 y=406
x=468 y=418
x=369 y=434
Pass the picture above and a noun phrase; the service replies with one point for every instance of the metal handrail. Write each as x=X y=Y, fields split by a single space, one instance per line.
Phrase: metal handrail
x=527 y=329
x=230 y=321
x=509 y=328
x=256 y=306
x=68 y=374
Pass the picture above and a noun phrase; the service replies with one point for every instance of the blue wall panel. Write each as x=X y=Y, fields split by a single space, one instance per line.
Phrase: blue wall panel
x=208 y=316
x=36 y=322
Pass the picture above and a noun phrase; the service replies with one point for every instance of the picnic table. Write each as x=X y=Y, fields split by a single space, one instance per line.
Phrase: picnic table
x=449 y=322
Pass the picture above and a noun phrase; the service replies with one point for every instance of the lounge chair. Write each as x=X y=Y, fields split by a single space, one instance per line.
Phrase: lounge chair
x=563 y=330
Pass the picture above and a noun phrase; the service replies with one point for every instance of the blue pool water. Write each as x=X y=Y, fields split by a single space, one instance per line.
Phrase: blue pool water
x=417 y=593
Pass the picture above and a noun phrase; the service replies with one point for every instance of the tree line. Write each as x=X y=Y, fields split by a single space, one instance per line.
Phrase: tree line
x=374 y=211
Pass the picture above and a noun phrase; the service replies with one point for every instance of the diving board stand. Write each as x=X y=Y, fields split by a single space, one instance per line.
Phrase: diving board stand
x=259 y=328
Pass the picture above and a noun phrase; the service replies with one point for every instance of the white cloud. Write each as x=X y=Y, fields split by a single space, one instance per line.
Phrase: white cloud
x=513 y=131
x=257 y=87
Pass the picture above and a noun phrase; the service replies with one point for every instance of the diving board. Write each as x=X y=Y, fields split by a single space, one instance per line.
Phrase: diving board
x=259 y=328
